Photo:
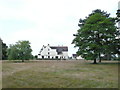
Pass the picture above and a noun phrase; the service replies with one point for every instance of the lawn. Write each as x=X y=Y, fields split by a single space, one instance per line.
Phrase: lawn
x=59 y=74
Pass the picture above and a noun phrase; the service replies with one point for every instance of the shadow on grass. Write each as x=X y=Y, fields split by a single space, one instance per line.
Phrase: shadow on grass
x=108 y=63
x=105 y=63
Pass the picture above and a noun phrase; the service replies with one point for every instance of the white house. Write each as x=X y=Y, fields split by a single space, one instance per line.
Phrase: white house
x=53 y=52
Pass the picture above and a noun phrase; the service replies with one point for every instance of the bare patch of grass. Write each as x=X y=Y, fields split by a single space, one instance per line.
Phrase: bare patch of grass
x=59 y=74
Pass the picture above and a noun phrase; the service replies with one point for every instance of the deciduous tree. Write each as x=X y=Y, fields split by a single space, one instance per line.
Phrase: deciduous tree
x=97 y=36
x=20 y=51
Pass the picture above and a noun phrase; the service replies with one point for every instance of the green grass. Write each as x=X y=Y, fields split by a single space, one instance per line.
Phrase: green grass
x=59 y=74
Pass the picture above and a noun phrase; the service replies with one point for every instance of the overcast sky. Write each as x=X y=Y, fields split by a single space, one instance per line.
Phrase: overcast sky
x=45 y=22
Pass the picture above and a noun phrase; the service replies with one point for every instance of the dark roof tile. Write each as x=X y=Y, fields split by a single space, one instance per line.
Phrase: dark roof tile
x=59 y=49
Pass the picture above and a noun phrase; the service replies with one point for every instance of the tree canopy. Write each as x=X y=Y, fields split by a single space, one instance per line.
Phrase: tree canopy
x=3 y=50
x=97 y=36
x=20 y=51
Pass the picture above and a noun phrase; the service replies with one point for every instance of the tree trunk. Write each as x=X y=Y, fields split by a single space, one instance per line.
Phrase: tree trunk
x=108 y=56
x=94 y=61
x=99 y=58
x=22 y=60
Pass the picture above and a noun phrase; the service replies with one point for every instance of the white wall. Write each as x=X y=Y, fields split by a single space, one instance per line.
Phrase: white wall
x=65 y=55
x=53 y=52
x=44 y=51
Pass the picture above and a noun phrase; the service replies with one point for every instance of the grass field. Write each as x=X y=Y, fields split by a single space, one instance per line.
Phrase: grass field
x=59 y=74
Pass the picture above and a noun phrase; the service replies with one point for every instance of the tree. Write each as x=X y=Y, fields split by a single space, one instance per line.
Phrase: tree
x=20 y=51
x=118 y=31
x=96 y=36
x=4 y=51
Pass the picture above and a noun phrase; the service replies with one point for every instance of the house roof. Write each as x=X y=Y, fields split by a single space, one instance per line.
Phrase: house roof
x=63 y=48
x=59 y=49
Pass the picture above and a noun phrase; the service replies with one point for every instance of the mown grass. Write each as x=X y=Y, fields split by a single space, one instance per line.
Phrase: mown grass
x=59 y=74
